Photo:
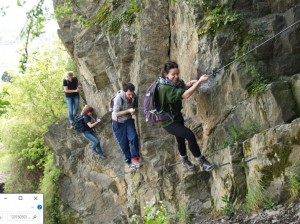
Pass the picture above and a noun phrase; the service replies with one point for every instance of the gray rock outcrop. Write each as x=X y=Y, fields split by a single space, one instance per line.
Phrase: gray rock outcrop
x=246 y=116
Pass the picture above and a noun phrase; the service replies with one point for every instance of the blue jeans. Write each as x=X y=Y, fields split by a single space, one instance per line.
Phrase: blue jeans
x=72 y=103
x=127 y=138
x=92 y=137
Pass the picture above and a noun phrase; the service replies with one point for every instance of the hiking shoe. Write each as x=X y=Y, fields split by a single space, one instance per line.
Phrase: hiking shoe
x=187 y=163
x=136 y=162
x=205 y=165
x=102 y=156
x=131 y=166
x=95 y=151
x=70 y=126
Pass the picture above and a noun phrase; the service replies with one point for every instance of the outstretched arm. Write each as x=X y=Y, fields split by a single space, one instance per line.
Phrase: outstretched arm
x=194 y=86
x=91 y=125
x=124 y=112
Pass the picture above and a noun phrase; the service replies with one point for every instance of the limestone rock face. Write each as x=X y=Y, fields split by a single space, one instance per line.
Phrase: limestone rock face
x=247 y=110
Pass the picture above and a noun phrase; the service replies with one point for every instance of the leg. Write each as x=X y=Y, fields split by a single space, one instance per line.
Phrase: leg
x=133 y=138
x=120 y=134
x=98 y=146
x=134 y=144
x=181 y=132
x=93 y=139
x=70 y=108
x=75 y=105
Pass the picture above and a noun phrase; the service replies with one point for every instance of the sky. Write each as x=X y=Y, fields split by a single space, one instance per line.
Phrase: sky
x=10 y=27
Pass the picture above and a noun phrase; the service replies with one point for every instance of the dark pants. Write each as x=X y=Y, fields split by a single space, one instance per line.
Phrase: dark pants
x=181 y=133
x=127 y=138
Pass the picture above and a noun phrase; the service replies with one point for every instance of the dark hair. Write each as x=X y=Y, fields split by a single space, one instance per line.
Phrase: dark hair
x=128 y=86
x=87 y=109
x=167 y=67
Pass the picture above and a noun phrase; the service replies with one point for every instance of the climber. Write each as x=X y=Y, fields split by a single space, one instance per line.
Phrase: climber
x=71 y=88
x=123 y=125
x=171 y=93
x=89 y=131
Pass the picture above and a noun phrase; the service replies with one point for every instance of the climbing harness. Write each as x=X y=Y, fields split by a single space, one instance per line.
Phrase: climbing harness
x=214 y=72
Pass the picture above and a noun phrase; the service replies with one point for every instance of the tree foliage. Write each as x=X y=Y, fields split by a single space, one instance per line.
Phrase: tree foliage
x=36 y=101
x=37 y=18
x=4 y=104
x=5 y=77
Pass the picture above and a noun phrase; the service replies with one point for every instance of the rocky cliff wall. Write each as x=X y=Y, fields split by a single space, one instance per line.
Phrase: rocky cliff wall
x=243 y=118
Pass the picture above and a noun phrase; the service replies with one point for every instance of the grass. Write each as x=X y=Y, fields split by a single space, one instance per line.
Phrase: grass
x=255 y=196
x=293 y=181
x=183 y=216
x=229 y=209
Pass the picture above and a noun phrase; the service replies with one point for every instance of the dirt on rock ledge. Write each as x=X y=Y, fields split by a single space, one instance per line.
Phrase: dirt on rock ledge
x=280 y=214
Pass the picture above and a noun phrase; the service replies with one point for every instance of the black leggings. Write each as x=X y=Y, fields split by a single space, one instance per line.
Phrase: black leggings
x=181 y=133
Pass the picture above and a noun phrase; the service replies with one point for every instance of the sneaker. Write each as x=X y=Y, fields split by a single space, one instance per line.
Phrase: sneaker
x=102 y=156
x=70 y=126
x=95 y=151
x=136 y=162
x=205 y=165
x=132 y=166
x=187 y=163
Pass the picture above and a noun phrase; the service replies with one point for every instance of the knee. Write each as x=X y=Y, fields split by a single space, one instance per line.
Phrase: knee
x=190 y=135
x=135 y=136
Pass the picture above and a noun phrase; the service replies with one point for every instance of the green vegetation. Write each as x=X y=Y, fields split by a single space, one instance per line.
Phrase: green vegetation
x=103 y=14
x=70 y=9
x=293 y=180
x=171 y=1
x=255 y=196
x=4 y=104
x=37 y=17
x=105 y=17
x=115 y=21
x=183 y=216
x=64 y=9
x=36 y=101
x=294 y=186
x=127 y=16
x=156 y=214
x=216 y=18
x=258 y=84
x=50 y=188
x=239 y=134
x=269 y=203
x=279 y=158
x=244 y=40
x=229 y=209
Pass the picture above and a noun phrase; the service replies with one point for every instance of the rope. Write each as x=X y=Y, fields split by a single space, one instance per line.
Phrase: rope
x=214 y=72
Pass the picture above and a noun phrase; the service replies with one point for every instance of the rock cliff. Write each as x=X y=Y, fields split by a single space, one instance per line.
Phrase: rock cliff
x=246 y=117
